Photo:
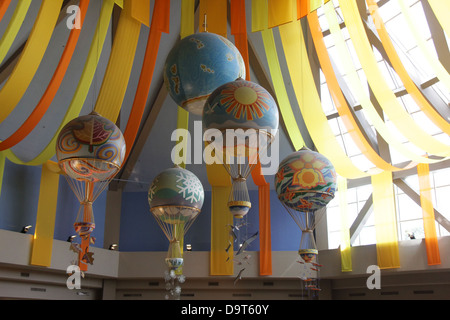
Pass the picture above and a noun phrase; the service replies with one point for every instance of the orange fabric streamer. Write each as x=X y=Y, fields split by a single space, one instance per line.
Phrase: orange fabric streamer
x=429 y=224
x=53 y=87
x=239 y=30
x=302 y=8
x=160 y=23
x=3 y=7
x=83 y=255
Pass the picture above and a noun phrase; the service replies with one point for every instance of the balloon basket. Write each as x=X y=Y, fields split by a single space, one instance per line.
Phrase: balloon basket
x=174 y=259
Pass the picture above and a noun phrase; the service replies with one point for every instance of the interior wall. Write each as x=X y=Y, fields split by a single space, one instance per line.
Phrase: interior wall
x=139 y=230
x=19 y=201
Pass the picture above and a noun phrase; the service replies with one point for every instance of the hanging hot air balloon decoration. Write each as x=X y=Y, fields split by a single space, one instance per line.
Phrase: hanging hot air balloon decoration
x=305 y=183
x=90 y=151
x=175 y=197
x=246 y=116
x=197 y=65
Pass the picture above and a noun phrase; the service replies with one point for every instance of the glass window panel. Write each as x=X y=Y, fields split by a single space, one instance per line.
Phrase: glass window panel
x=421 y=63
x=335 y=201
x=442 y=203
x=425 y=123
x=351 y=195
x=370 y=219
x=441 y=177
x=397 y=157
x=353 y=54
x=411 y=228
x=334 y=126
x=413 y=182
x=362 y=162
x=442 y=137
x=442 y=91
x=443 y=231
x=351 y=147
x=389 y=10
x=367 y=236
x=341 y=143
x=418 y=16
x=337 y=63
x=363 y=79
x=398 y=29
x=327 y=103
x=328 y=40
x=334 y=240
x=407 y=208
x=333 y=219
x=322 y=77
x=386 y=75
x=364 y=192
x=323 y=21
x=409 y=103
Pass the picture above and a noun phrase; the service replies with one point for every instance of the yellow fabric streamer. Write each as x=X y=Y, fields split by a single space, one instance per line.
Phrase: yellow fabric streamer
x=429 y=222
x=397 y=64
x=434 y=62
x=216 y=19
x=260 y=23
x=260 y=15
x=441 y=9
x=25 y=69
x=183 y=123
x=309 y=101
x=41 y=254
x=117 y=75
x=13 y=28
x=281 y=12
x=385 y=96
x=345 y=247
x=360 y=93
x=385 y=221
x=48 y=190
x=284 y=104
x=187 y=18
x=221 y=262
x=140 y=11
x=82 y=89
x=316 y=4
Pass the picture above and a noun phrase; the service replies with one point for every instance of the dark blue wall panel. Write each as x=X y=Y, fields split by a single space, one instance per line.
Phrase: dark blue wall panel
x=67 y=210
x=19 y=201
x=19 y=196
x=140 y=232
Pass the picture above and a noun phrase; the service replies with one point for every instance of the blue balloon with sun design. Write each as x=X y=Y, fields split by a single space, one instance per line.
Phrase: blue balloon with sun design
x=240 y=104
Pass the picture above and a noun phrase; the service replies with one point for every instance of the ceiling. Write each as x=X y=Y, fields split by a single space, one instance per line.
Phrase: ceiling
x=151 y=152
